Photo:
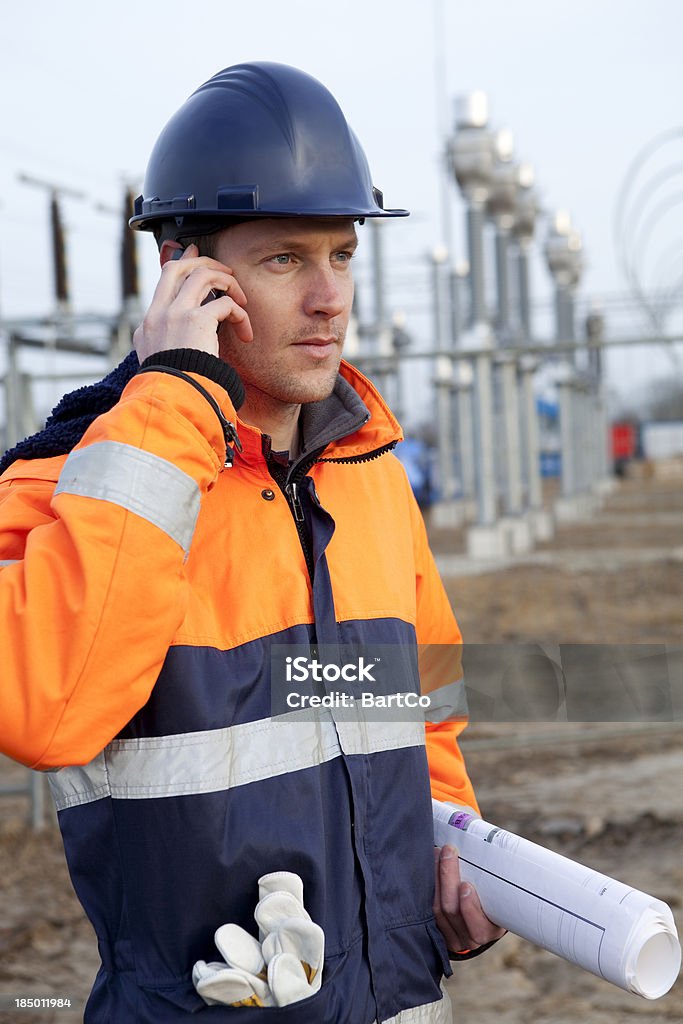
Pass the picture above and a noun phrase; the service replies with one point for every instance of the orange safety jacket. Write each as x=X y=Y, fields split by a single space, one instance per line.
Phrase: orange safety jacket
x=142 y=589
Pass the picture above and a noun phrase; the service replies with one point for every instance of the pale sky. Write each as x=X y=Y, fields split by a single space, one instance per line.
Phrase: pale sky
x=582 y=84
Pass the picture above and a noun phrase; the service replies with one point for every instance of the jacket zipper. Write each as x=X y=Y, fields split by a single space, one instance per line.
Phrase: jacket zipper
x=368 y=457
x=292 y=493
x=290 y=489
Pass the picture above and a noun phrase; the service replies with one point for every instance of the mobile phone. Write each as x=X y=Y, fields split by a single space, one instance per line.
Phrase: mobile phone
x=214 y=293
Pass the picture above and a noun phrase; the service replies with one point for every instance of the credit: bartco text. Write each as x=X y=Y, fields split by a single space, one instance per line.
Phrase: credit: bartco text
x=363 y=700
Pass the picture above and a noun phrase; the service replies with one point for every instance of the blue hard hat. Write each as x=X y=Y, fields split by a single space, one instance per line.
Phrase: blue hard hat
x=256 y=140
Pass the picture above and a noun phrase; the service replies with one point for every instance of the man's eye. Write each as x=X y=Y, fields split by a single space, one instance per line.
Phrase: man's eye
x=344 y=256
x=282 y=259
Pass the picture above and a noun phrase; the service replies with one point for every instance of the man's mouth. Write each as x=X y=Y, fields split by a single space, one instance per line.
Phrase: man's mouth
x=318 y=348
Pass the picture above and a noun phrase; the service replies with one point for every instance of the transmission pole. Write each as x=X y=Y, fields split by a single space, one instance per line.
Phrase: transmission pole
x=59 y=255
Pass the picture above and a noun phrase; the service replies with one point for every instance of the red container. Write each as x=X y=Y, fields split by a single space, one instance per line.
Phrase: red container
x=624 y=437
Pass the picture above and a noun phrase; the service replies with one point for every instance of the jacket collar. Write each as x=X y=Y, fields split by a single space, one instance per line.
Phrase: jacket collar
x=352 y=422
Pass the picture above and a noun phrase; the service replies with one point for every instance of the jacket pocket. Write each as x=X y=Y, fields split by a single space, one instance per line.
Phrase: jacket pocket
x=174 y=1003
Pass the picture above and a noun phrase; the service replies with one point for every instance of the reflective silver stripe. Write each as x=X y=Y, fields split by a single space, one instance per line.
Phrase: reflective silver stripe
x=79 y=784
x=219 y=759
x=8 y=561
x=447 y=702
x=138 y=481
x=363 y=734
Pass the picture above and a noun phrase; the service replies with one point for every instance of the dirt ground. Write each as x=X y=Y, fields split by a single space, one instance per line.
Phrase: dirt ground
x=607 y=794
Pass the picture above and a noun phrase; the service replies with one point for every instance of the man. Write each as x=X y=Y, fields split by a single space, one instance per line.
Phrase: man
x=227 y=491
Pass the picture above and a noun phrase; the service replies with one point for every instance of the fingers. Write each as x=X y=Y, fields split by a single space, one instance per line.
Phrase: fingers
x=449 y=880
x=174 y=273
x=457 y=907
x=195 y=276
x=225 y=309
x=436 y=909
x=196 y=285
x=447 y=900
x=479 y=926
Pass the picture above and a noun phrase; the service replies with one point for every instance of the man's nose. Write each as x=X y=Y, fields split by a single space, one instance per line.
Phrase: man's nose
x=326 y=293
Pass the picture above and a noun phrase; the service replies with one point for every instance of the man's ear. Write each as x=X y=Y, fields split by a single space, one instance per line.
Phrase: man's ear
x=167 y=250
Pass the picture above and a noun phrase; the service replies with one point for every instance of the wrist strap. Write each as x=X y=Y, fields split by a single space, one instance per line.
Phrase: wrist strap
x=469 y=954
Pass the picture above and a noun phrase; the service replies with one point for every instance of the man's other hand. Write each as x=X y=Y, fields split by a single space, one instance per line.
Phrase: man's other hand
x=457 y=909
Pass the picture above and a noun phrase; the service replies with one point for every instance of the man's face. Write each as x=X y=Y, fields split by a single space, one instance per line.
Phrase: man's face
x=296 y=274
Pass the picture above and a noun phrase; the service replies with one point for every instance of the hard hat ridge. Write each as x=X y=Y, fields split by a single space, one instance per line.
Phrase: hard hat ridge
x=255 y=83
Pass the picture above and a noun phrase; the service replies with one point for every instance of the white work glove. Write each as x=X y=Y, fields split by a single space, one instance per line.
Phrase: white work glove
x=289 y=955
x=281 y=881
x=241 y=980
x=294 y=954
x=231 y=986
x=293 y=946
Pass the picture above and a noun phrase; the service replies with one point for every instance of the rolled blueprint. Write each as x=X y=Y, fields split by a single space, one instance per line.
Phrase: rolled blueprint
x=616 y=932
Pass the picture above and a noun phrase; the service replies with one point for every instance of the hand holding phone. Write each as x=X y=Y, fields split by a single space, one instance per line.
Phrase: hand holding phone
x=195 y=294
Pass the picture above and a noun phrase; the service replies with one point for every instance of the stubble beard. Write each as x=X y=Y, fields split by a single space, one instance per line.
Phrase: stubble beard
x=276 y=382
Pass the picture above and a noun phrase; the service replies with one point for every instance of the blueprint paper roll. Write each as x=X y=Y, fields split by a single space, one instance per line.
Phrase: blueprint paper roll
x=618 y=933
